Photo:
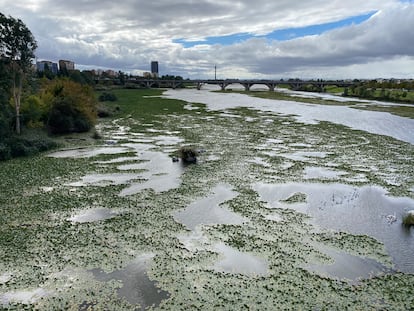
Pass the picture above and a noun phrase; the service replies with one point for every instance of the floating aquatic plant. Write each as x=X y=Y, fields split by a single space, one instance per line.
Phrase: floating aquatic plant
x=408 y=219
x=188 y=154
x=39 y=244
x=296 y=198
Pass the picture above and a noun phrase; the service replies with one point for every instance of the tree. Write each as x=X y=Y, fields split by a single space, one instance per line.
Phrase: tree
x=122 y=77
x=6 y=113
x=17 y=46
x=70 y=106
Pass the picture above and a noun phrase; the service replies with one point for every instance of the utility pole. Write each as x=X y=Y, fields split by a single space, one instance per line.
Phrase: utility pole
x=215 y=72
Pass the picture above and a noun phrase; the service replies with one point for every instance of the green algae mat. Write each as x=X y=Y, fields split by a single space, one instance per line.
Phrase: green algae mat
x=276 y=214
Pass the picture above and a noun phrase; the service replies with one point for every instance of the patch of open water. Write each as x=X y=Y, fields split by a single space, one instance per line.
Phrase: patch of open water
x=207 y=211
x=88 y=152
x=235 y=261
x=375 y=122
x=322 y=172
x=137 y=288
x=160 y=173
x=5 y=277
x=93 y=214
x=104 y=179
x=347 y=267
x=365 y=210
x=23 y=296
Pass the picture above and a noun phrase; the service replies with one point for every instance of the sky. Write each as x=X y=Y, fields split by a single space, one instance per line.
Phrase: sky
x=260 y=39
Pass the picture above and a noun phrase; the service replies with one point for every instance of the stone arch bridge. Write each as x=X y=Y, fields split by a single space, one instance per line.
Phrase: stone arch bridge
x=271 y=84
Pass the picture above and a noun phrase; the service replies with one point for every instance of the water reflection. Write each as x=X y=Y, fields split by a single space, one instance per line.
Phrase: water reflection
x=136 y=288
x=88 y=152
x=207 y=211
x=23 y=296
x=356 y=210
x=158 y=170
x=94 y=214
x=347 y=267
x=235 y=261
x=321 y=172
x=375 y=122
x=160 y=173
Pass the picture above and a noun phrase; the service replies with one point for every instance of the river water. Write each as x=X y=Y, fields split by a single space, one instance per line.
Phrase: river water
x=381 y=123
x=268 y=185
x=358 y=210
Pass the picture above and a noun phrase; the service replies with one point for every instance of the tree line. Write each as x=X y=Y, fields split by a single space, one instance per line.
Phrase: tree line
x=54 y=104
x=388 y=90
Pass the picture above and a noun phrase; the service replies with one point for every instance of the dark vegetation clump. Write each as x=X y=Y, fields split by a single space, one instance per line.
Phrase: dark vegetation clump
x=103 y=110
x=63 y=120
x=188 y=154
x=73 y=107
x=19 y=146
x=96 y=135
x=408 y=219
x=107 y=97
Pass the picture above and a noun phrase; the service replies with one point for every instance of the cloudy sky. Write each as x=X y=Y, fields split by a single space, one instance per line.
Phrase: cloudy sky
x=245 y=39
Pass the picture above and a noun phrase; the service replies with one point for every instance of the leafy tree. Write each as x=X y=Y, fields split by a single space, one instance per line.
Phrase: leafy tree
x=6 y=112
x=70 y=106
x=33 y=111
x=17 y=46
x=88 y=78
x=122 y=77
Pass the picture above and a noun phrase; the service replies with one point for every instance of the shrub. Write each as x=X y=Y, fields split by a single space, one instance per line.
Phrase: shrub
x=5 y=124
x=6 y=118
x=21 y=148
x=43 y=144
x=33 y=111
x=103 y=111
x=5 y=152
x=72 y=107
x=105 y=96
x=26 y=146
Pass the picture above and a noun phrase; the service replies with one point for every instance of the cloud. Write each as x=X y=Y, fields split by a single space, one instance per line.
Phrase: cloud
x=127 y=34
x=380 y=39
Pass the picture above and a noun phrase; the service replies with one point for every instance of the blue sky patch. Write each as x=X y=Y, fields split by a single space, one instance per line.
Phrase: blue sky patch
x=280 y=35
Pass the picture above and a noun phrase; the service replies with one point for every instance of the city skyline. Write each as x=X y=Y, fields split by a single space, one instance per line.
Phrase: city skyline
x=316 y=39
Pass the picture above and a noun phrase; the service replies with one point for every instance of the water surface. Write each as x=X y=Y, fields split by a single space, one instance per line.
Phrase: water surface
x=207 y=211
x=136 y=288
x=375 y=122
x=357 y=210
